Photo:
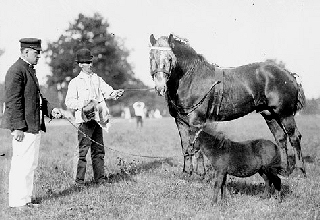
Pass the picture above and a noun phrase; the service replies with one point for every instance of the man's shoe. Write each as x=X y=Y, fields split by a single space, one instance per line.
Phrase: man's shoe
x=29 y=205
x=32 y=205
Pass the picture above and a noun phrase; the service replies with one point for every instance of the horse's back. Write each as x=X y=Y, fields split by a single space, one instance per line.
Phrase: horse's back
x=266 y=84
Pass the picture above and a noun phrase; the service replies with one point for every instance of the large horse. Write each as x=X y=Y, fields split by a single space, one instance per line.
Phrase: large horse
x=198 y=93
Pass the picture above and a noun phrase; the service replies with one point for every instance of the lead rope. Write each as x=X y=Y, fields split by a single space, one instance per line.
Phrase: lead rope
x=135 y=155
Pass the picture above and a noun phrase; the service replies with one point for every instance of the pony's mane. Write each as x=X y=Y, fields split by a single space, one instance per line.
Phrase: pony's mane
x=219 y=137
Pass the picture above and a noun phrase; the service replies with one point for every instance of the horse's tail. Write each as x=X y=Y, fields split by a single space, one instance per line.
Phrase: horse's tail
x=301 y=102
x=301 y=98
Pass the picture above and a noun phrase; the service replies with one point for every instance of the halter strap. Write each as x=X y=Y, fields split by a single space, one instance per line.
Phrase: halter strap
x=160 y=48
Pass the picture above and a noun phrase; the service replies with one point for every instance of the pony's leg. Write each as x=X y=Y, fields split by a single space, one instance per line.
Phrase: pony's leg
x=218 y=185
x=295 y=139
x=200 y=168
x=184 y=138
x=223 y=187
x=280 y=137
x=267 y=189
x=276 y=181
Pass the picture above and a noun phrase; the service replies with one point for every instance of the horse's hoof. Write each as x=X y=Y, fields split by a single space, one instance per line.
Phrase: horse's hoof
x=187 y=173
x=284 y=173
x=299 y=173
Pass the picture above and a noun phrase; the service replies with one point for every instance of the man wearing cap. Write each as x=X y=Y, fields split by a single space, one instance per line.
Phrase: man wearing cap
x=86 y=88
x=25 y=109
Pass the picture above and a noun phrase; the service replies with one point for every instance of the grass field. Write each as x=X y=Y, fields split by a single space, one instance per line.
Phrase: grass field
x=155 y=188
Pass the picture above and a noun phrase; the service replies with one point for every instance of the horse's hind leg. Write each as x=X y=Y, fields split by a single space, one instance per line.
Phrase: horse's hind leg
x=295 y=139
x=280 y=137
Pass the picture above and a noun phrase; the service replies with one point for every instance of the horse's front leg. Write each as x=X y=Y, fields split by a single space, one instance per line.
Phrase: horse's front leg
x=184 y=138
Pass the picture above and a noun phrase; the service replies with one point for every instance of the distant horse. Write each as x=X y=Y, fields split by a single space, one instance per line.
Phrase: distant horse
x=198 y=93
x=241 y=159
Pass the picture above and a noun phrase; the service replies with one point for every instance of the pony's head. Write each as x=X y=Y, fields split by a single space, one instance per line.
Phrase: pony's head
x=162 y=60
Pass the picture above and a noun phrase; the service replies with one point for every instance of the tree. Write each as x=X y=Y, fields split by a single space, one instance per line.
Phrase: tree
x=110 y=55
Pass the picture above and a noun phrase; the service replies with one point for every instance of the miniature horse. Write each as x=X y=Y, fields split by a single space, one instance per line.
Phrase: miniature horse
x=241 y=159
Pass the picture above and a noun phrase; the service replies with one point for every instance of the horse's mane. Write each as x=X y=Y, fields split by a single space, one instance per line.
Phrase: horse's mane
x=182 y=45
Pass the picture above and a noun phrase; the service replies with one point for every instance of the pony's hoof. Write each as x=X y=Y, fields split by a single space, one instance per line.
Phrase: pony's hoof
x=299 y=173
x=265 y=196
x=278 y=196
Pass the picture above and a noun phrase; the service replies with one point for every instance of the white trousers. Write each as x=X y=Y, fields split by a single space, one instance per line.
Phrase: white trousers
x=23 y=164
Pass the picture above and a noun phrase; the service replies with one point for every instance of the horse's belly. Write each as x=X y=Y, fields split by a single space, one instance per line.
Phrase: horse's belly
x=231 y=111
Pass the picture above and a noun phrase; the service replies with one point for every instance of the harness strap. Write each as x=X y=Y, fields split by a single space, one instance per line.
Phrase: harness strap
x=218 y=94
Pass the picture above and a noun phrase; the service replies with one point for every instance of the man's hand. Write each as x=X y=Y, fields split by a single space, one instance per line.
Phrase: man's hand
x=18 y=135
x=89 y=110
x=56 y=113
x=117 y=94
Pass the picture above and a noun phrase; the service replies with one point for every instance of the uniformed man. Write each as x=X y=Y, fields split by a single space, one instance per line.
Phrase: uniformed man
x=24 y=113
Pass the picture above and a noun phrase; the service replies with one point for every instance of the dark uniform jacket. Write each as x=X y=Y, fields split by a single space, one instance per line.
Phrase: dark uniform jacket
x=22 y=100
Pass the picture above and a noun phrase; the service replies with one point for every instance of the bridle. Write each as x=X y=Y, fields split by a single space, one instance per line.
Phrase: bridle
x=181 y=110
x=166 y=73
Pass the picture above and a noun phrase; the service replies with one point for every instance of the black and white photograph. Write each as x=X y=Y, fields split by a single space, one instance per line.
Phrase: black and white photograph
x=172 y=109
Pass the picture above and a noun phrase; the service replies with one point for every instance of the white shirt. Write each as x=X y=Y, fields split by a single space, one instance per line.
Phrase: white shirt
x=138 y=108
x=83 y=88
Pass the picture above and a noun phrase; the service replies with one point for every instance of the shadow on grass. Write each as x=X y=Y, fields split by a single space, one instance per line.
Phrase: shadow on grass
x=126 y=174
x=244 y=188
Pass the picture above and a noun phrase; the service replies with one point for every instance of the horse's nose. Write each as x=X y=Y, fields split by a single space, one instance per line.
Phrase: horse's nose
x=160 y=90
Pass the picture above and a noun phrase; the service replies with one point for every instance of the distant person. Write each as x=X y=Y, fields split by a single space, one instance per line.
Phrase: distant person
x=139 y=112
x=157 y=114
x=24 y=112
x=127 y=114
x=86 y=95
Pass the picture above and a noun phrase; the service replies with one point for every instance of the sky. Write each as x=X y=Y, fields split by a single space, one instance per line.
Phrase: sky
x=227 y=32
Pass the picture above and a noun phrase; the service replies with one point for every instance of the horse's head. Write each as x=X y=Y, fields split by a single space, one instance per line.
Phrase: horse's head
x=162 y=60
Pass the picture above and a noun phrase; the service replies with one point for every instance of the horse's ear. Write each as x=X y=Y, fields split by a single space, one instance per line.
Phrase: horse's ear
x=152 y=40
x=170 y=39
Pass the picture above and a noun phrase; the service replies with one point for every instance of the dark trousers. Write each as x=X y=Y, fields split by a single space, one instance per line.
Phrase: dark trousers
x=139 y=121
x=94 y=132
